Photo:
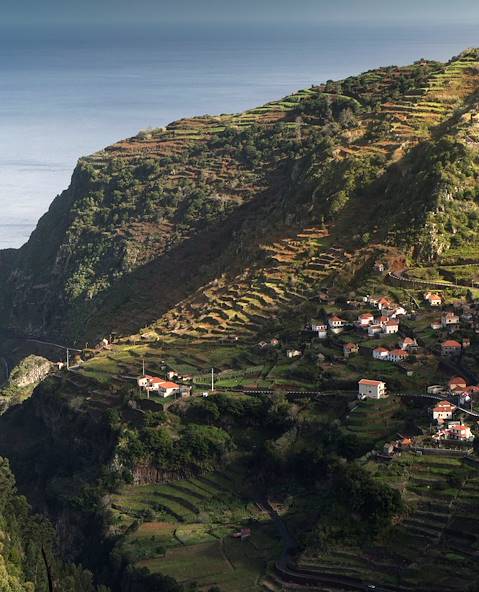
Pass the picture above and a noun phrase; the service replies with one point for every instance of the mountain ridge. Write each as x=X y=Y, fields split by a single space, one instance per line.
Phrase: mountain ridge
x=140 y=203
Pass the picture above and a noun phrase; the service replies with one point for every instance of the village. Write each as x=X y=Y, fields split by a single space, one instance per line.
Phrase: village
x=388 y=375
x=384 y=347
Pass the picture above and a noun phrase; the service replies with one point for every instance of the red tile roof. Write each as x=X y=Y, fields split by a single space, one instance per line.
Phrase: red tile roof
x=169 y=385
x=461 y=428
x=451 y=343
x=458 y=380
x=443 y=406
x=368 y=382
x=399 y=352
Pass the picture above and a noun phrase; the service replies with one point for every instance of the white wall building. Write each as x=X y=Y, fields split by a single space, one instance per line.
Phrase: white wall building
x=371 y=389
x=380 y=353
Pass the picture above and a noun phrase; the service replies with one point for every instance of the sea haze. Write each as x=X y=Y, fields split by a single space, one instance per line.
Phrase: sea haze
x=66 y=93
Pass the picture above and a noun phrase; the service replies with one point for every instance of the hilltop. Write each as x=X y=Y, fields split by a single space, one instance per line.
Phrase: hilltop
x=306 y=189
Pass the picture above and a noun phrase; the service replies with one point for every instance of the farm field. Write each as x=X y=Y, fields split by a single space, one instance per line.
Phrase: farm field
x=185 y=529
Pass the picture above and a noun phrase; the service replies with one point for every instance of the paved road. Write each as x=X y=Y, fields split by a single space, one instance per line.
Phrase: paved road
x=44 y=342
x=436 y=398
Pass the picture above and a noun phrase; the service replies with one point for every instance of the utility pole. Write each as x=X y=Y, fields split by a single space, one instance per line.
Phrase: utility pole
x=212 y=379
x=143 y=361
x=68 y=359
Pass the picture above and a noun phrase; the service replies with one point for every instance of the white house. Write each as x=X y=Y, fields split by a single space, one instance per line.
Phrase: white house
x=374 y=330
x=407 y=343
x=335 y=322
x=391 y=327
x=397 y=355
x=166 y=389
x=365 y=319
x=433 y=299
x=443 y=411
x=293 y=353
x=460 y=432
x=153 y=383
x=436 y=325
x=384 y=303
x=380 y=353
x=394 y=312
x=371 y=389
x=449 y=319
x=450 y=348
x=143 y=381
x=318 y=326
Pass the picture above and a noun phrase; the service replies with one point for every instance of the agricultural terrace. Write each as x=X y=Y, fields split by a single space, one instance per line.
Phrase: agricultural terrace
x=185 y=529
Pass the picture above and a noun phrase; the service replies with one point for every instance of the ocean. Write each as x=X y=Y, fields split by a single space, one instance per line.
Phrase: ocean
x=68 y=92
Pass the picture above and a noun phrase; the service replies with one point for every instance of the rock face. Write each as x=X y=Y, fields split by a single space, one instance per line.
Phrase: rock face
x=30 y=371
x=147 y=474
x=23 y=380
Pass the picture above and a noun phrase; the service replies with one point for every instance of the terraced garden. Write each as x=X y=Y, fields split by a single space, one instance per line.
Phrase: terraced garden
x=242 y=305
x=375 y=421
x=434 y=544
x=184 y=529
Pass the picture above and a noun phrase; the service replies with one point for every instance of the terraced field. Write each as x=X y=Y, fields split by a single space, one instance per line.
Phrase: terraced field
x=184 y=529
x=372 y=421
x=434 y=542
x=411 y=118
x=293 y=270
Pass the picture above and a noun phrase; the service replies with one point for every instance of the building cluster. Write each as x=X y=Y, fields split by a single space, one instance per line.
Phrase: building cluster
x=407 y=345
x=386 y=323
x=163 y=388
x=447 y=427
x=458 y=390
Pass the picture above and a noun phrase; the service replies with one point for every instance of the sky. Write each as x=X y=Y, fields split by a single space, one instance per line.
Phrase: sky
x=30 y=12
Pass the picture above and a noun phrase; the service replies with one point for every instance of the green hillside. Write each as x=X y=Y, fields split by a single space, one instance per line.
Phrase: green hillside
x=211 y=245
x=246 y=199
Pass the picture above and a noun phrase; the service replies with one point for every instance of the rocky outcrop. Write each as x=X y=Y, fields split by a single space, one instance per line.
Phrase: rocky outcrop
x=145 y=474
x=23 y=379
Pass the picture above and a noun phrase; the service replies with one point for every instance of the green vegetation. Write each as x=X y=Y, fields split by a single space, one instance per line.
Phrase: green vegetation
x=312 y=164
x=185 y=530
x=23 y=379
x=212 y=244
x=28 y=554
